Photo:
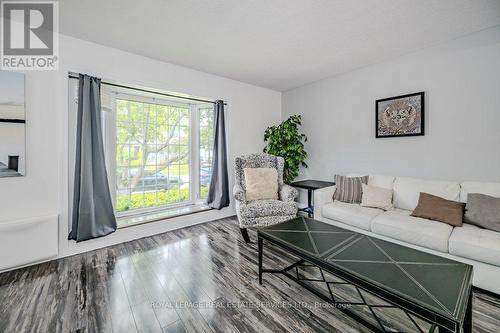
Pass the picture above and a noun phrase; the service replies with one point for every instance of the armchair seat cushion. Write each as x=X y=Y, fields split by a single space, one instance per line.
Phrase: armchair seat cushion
x=263 y=208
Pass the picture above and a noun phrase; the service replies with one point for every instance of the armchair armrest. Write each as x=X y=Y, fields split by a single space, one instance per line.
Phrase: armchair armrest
x=239 y=193
x=288 y=193
x=323 y=196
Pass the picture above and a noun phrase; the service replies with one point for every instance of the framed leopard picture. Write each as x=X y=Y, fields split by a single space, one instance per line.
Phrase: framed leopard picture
x=400 y=116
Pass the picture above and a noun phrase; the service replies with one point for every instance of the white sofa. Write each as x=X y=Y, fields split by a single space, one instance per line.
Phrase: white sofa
x=469 y=244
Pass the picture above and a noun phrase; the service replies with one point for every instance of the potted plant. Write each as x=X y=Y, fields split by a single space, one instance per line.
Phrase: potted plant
x=285 y=140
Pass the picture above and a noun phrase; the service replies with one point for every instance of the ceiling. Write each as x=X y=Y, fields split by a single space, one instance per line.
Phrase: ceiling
x=278 y=44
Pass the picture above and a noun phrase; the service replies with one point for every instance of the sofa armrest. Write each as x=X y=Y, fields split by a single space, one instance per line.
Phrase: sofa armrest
x=288 y=193
x=239 y=193
x=323 y=196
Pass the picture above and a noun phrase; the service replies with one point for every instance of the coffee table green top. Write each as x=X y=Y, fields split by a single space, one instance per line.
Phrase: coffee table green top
x=426 y=279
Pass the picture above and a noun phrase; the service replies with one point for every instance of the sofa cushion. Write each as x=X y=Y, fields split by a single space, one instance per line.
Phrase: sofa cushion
x=261 y=208
x=386 y=182
x=476 y=243
x=398 y=224
x=351 y=214
x=376 y=180
x=407 y=191
x=492 y=189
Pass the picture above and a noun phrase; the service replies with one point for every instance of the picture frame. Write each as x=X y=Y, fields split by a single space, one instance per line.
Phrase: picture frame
x=400 y=116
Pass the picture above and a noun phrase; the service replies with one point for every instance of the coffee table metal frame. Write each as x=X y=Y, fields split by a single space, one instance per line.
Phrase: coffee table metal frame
x=439 y=322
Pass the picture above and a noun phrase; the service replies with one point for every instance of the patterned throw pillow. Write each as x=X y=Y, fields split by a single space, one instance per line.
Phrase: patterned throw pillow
x=349 y=189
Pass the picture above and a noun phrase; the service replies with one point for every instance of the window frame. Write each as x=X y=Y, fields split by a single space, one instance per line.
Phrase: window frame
x=110 y=144
x=211 y=154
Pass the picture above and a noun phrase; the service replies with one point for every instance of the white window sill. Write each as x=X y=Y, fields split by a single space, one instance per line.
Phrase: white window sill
x=146 y=217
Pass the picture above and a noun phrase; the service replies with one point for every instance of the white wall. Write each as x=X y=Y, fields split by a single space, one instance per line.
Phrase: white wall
x=461 y=81
x=44 y=190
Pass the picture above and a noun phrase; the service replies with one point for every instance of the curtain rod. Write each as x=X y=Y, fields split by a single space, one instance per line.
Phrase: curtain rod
x=75 y=76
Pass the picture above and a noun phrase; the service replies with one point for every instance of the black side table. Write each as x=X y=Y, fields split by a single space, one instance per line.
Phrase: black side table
x=310 y=185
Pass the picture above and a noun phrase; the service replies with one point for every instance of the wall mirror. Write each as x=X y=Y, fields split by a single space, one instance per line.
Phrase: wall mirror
x=12 y=125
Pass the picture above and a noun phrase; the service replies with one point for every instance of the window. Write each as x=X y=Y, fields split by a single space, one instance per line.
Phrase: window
x=158 y=150
x=206 y=148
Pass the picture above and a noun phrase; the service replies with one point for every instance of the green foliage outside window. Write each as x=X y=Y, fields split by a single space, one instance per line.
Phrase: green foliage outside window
x=125 y=203
x=153 y=150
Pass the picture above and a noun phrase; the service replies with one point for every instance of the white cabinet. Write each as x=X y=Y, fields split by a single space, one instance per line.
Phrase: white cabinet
x=27 y=241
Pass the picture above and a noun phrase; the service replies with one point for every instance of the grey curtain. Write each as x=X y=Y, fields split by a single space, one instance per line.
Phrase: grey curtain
x=93 y=214
x=218 y=193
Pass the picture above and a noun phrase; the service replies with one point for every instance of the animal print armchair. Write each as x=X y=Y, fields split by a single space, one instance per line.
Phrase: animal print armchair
x=259 y=213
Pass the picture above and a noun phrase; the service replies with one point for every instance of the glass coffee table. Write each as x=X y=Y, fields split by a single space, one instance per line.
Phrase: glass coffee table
x=378 y=283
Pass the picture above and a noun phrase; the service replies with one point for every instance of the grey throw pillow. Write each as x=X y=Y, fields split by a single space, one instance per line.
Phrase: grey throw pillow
x=483 y=210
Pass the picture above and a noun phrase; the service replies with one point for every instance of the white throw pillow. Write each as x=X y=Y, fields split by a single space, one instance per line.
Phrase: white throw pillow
x=376 y=197
x=261 y=183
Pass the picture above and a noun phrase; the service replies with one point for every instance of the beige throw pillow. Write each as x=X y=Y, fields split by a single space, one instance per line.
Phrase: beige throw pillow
x=376 y=197
x=261 y=183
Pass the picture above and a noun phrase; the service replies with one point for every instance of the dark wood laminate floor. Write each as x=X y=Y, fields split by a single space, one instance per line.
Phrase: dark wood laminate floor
x=147 y=286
